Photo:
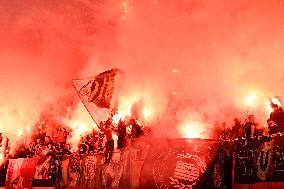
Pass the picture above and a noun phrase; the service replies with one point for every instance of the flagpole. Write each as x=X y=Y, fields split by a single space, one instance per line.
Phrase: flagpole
x=84 y=104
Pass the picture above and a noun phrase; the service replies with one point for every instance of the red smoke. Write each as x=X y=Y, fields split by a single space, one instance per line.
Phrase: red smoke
x=221 y=52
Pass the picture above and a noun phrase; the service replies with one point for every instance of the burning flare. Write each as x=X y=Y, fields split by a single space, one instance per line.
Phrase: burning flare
x=192 y=129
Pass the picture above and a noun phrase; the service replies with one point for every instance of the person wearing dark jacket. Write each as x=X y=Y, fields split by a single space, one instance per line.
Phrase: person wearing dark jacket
x=136 y=130
x=277 y=115
x=121 y=133
x=250 y=127
x=272 y=127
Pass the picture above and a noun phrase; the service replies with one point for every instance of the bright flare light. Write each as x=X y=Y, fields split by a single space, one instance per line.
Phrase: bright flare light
x=123 y=111
x=250 y=100
x=20 y=133
x=124 y=108
x=146 y=113
x=81 y=129
x=192 y=130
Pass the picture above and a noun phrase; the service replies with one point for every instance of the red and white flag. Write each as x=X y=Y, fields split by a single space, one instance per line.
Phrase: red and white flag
x=96 y=93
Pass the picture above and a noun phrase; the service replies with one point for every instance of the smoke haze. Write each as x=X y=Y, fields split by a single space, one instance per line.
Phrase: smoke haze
x=212 y=54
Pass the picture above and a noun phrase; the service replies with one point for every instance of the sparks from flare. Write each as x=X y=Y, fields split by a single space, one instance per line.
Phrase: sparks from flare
x=126 y=5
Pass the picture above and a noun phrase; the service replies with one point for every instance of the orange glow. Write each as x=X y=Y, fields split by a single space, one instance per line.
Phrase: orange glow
x=124 y=109
x=192 y=129
x=125 y=105
x=147 y=112
x=81 y=124
x=20 y=133
x=81 y=129
x=250 y=100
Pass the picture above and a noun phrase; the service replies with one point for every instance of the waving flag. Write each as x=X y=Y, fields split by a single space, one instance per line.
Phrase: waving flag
x=96 y=93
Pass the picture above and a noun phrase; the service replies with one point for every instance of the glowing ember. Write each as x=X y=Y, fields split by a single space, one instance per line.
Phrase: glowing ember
x=126 y=5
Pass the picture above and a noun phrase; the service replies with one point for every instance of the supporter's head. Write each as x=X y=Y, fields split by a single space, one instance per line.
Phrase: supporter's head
x=38 y=141
x=251 y=118
x=270 y=121
x=274 y=106
x=237 y=120
x=49 y=146
x=120 y=122
x=47 y=139
x=108 y=122
x=132 y=121
x=225 y=126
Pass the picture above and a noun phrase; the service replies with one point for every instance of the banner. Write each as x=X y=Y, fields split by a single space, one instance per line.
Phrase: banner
x=113 y=171
x=20 y=172
x=221 y=170
x=91 y=175
x=65 y=170
x=13 y=172
x=178 y=163
x=253 y=161
x=278 y=159
x=96 y=94
x=42 y=168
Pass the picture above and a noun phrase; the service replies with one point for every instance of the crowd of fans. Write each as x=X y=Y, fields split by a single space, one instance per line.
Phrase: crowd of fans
x=249 y=128
x=101 y=141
